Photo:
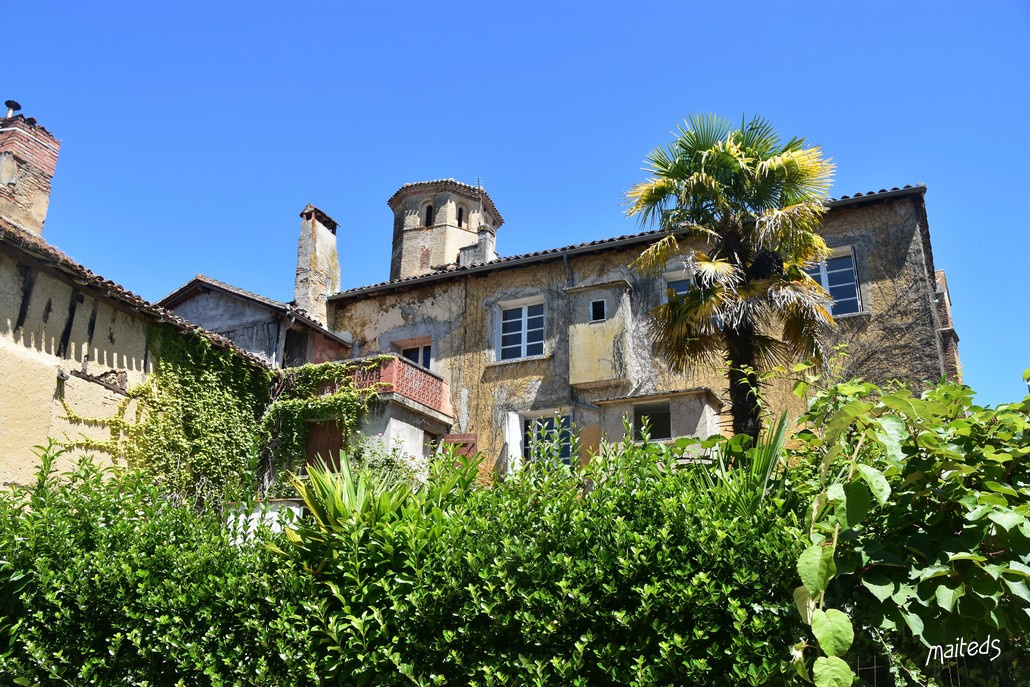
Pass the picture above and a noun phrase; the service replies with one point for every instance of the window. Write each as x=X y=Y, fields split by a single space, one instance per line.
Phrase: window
x=541 y=432
x=522 y=331
x=678 y=286
x=658 y=418
x=461 y=217
x=598 y=310
x=429 y=215
x=418 y=354
x=839 y=277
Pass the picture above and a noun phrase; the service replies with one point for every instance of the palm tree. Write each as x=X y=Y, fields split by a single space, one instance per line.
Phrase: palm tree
x=756 y=204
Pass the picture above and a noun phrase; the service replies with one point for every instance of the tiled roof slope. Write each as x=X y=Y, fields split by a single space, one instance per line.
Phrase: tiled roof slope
x=590 y=246
x=35 y=247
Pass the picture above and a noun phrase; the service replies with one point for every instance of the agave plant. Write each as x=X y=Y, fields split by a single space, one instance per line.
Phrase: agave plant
x=742 y=481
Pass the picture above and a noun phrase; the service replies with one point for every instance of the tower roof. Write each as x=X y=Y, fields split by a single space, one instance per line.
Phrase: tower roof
x=465 y=190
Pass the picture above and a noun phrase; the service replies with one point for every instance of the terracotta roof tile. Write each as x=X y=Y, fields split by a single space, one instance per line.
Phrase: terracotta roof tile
x=601 y=244
x=38 y=248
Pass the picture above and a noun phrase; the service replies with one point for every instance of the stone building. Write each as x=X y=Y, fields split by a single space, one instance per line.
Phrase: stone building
x=487 y=350
x=562 y=333
x=557 y=339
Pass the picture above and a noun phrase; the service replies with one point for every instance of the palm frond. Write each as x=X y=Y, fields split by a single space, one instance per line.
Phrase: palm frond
x=655 y=257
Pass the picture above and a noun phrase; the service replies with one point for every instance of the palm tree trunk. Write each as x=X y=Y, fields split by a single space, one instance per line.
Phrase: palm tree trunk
x=745 y=401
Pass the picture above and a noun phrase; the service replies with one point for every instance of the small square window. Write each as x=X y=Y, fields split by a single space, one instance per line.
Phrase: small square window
x=598 y=310
x=658 y=418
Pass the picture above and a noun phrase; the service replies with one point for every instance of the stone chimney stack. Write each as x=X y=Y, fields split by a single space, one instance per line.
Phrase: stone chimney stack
x=28 y=158
x=318 y=264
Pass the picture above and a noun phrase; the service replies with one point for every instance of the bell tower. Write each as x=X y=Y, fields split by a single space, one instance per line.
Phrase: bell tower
x=433 y=221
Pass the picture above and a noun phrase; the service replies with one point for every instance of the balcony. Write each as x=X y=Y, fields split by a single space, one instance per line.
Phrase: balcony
x=404 y=378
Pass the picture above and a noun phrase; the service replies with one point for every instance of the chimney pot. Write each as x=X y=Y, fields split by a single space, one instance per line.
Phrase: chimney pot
x=12 y=107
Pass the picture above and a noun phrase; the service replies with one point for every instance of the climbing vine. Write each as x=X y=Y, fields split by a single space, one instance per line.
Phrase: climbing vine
x=311 y=393
x=194 y=423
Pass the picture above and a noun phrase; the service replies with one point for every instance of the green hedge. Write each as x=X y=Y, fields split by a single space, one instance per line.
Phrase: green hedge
x=105 y=582
x=620 y=573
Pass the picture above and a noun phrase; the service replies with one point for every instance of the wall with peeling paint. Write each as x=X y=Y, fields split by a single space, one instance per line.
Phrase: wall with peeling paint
x=59 y=342
x=585 y=362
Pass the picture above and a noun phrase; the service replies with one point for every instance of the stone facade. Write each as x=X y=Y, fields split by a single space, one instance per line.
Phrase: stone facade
x=435 y=220
x=597 y=365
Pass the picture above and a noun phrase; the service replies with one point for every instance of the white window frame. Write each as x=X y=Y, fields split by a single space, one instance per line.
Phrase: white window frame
x=671 y=276
x=604 y=301
x=525 y=304
x=516 y=433
x=823 y=278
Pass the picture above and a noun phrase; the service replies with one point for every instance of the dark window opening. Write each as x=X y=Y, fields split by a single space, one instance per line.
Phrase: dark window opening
x=678 y=286
x=598 y=310
x=658 y=418
x=418 y=354
x=461 y=217
x=295 y=352
x=429 y=215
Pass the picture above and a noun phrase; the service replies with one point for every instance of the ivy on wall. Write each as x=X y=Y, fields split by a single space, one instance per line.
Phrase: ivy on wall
x=194 y=423
x=311 y=393
x=208 y=424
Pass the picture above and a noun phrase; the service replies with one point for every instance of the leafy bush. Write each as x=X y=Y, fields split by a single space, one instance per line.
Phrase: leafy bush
x=918 y=528
x=105 y=582
x=617 y=573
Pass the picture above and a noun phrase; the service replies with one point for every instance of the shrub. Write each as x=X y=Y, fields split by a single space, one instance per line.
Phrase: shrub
x=617 y=573
x=918 y=529
x=105 y=582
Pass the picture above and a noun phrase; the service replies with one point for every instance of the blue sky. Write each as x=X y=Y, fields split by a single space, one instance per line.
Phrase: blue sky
x=194 y=133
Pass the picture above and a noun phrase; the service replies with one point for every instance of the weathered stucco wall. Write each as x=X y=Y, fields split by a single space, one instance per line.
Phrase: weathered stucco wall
x=585 y=362
x=58 y=342
x=896 y=336
x=252 y=327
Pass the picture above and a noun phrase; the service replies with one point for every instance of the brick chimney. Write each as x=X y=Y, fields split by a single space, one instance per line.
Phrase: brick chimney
x=318 y=265
x=28 y=157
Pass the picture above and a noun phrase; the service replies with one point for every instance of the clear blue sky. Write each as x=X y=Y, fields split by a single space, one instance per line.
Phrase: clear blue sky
x=194 y=133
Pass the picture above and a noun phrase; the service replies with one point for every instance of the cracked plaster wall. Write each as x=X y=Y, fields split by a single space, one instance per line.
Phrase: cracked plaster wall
x=459 y=315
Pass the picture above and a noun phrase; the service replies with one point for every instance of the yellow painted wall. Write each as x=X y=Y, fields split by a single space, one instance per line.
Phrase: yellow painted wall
x=31 y=371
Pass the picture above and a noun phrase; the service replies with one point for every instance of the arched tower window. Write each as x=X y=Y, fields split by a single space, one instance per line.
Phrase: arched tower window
x=429 y=215
x=461 y=217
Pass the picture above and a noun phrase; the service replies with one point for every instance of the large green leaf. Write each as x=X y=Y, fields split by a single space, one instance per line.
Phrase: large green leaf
x=1006 y=519
x=890 y=430
x=816 y=568
x=880 y=586
x=805 y=604
x=833 y=630
x=859 y=498
x=876 y=481
x=832 y=672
